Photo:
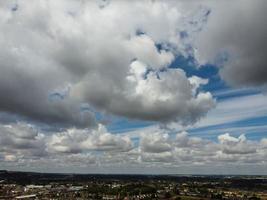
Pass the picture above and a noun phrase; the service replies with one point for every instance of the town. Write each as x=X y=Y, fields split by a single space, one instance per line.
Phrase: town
x=23 y=185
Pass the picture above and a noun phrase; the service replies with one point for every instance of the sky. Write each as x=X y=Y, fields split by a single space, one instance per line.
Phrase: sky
x=140 y=87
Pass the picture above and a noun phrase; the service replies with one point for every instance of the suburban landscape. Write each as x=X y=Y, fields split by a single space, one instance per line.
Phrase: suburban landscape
x=26 y=185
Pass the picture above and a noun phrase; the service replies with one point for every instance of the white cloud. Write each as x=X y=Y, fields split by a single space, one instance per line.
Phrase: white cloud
x=97 y=55
x=77 y=141
x=97 y=147
x=240 y=145
x=185 y=149
x=165 y=96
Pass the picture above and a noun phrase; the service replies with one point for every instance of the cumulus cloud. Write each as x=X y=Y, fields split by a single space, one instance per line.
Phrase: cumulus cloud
x=50 y=68
x=238 y=42
x=21 y=141
x=77 y=141
x=165 y=96
x=155 y=143
x=185 y=149
x=97 y=147
x=232 y=145
x=63 y=62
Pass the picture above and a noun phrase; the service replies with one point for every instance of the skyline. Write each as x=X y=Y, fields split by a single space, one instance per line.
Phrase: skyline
x=143 y=87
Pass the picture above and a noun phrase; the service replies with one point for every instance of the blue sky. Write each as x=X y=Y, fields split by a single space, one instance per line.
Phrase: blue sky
x=133 y=86
x=253 y=126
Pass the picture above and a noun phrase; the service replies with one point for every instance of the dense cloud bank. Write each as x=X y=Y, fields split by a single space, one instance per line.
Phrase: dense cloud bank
x=60 y=55
x=235 y=37
x=21 y=145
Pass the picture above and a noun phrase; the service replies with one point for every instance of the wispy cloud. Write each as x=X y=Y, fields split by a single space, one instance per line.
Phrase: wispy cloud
x=236 y=109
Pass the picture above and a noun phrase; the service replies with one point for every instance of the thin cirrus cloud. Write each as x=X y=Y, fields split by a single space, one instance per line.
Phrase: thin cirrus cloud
x=232 y=114
x=236 y=109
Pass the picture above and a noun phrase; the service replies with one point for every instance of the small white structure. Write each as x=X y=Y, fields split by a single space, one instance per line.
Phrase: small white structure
x=30 y=196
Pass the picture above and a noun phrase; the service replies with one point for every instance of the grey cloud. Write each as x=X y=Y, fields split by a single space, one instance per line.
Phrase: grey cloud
x=187 y=149
x=56 y=45
x=21 y=140
x=21 y=143
x=44 y=55
x=164 y=157
x=78 y=160
x=98 y=147
x=155 y=143
x=240 y=38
